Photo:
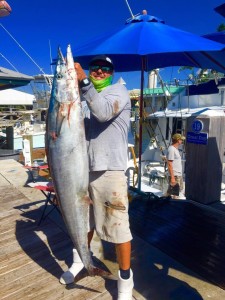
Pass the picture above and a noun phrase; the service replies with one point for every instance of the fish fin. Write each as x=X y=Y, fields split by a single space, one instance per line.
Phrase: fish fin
x=94 y=271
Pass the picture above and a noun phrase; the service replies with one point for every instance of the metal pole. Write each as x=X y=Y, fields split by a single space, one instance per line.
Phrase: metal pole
x=10 y=137
x=141 y=120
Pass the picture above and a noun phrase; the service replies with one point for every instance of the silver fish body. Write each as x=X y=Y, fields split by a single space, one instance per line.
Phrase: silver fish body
x=67 y=154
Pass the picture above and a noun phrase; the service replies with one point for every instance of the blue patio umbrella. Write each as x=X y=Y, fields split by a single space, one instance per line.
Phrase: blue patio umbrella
x=220 y=9
x=216 y=36
x=150 y=38
x=145 y=43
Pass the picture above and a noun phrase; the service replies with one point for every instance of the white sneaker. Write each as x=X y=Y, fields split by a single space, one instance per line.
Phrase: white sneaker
x=125 y=287
x=68 y=276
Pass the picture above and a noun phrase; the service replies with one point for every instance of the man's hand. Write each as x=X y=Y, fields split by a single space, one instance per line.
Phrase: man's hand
x=164 y=158
x=80 y=72
x=172 y=182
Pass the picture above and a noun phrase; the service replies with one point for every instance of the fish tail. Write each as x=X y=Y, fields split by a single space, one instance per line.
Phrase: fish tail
x=95 y=271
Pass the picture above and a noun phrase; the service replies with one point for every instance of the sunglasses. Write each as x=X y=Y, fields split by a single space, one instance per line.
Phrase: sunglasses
x=103 y=68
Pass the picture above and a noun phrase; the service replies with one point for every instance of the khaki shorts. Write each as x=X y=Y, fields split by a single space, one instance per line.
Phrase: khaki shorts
x=108 y=191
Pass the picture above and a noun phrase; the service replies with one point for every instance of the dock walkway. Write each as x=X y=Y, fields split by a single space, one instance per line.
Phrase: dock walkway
x=32 y=257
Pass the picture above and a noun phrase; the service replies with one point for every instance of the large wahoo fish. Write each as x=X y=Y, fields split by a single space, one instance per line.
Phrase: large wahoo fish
x=67 y=156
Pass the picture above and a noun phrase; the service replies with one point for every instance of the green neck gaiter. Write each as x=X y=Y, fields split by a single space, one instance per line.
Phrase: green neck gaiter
x=101 y=84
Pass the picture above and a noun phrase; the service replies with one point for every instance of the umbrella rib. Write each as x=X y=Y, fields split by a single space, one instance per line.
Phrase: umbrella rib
x=213 y=60
x=143 y=65
x=206 y=55
x=192 y=59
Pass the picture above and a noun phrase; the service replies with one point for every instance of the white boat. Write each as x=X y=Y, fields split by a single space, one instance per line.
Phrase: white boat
x=27 y=119
x=38 y=139
x=158 y=127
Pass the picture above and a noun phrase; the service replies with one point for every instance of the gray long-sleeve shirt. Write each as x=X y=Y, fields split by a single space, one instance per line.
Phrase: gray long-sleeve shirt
x=108 y=127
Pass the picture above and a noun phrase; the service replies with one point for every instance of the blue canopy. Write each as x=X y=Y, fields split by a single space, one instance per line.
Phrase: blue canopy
x=220 y=9
x=11 y=79
x=145 y=43
x=216 y=36
x=161 y=46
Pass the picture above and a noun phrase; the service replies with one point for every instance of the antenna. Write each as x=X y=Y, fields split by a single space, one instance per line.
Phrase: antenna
x=50 y=53
x=129 y=9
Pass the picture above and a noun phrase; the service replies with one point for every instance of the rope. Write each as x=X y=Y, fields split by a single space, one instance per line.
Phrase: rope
x=41 y=70
x=47 y=79
x=9 y=62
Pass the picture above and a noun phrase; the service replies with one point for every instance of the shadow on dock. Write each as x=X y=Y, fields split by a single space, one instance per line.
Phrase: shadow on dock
x=150 y=271
x=49 y=243
x=191 y=233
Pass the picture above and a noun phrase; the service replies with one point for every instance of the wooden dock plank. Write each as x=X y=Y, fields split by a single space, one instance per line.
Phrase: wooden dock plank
x=33 y=258
x=36 y=253
x=192 y=234
x=24 y=243
x=27 y=277
x=43 y=286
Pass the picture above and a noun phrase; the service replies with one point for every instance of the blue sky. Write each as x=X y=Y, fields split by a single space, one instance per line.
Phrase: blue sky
x=37 y=24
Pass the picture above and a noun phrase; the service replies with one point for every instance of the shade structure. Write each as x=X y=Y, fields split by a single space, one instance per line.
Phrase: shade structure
x=216 y=36
x=14 y=97
x=160 y=44
x=12 y=79
x=220 y=9
x=145 y=43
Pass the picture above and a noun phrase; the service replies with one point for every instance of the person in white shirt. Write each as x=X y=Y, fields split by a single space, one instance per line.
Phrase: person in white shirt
x=174 y=163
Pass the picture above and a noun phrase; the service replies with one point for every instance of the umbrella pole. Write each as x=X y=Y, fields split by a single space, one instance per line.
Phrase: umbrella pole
x=141 y=120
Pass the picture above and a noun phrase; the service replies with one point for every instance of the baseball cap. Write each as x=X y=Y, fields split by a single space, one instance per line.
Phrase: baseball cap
x=101 y=58
x=178 y=136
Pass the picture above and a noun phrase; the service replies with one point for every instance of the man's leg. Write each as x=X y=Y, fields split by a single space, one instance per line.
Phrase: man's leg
x=125 y=276
x=123 y=252
x=108 y=190
x=77 y=265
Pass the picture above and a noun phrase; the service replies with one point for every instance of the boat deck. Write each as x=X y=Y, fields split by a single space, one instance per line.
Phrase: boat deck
x=167 y=240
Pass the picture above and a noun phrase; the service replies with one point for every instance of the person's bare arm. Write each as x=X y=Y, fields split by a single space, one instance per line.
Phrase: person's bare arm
x=170 y=169
x=80 y=72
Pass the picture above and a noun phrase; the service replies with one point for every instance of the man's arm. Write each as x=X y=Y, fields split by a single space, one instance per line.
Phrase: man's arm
x=170 y=169
x=104 y=106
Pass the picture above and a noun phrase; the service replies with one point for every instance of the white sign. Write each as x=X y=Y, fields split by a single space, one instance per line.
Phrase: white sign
x=26 y=152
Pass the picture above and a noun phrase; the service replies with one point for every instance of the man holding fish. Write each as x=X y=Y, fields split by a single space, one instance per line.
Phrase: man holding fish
x=107 y=134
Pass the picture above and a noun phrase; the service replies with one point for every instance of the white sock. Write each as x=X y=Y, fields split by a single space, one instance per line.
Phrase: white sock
x=68 y=276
